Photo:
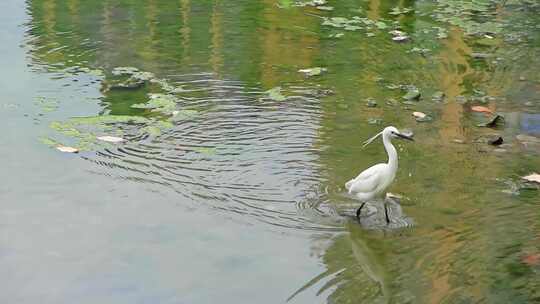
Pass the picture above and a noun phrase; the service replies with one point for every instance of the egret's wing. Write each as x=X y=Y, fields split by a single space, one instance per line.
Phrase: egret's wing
x=367 y=181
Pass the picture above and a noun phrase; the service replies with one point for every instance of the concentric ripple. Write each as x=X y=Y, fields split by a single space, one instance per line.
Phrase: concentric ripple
x=242 y=153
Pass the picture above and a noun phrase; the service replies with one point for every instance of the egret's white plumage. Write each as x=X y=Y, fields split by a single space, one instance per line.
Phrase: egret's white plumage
x=373 y=181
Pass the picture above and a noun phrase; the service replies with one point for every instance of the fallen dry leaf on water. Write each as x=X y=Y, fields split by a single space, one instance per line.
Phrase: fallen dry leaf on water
x=397 y=33
x=481 y=109
x=67 y=149
x=400 y=38
x=419 y=114
x=535 y=177
x=313 y=71
x=531 y=259
x=112 y=139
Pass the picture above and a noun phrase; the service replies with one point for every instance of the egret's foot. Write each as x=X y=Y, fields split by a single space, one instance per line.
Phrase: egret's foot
x=386 y=214
x=358 y=211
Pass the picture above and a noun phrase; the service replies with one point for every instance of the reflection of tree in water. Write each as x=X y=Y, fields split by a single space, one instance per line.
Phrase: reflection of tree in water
x=467 y=244
x=450 y=257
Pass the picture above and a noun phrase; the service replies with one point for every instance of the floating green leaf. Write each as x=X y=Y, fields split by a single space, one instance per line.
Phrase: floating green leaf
x=275 y=94
x=381 y=25
x=205 y=150
x=163 y=103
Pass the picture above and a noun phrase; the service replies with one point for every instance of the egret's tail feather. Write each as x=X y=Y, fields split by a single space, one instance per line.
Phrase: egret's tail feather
x=348 y=184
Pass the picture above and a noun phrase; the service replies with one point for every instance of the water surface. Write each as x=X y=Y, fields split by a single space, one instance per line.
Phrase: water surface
x=238 y=196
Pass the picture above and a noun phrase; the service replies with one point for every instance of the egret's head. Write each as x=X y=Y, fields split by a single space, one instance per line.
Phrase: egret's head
x=389 y=132
x=393 y=132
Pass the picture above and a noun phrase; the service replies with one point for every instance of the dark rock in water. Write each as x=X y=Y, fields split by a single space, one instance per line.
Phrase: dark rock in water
x=493 y=121
x=371 y=103
x=496 y=141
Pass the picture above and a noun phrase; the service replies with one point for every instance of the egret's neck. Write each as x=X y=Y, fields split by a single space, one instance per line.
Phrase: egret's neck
x=392 y=153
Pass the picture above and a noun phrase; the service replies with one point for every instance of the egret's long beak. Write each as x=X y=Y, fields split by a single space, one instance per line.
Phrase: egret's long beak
x=405 y=136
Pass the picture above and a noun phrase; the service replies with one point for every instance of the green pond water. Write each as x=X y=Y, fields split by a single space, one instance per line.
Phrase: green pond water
x=227 y=183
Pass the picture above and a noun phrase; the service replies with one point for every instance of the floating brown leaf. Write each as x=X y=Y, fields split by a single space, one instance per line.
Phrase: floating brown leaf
x=481 y=109
x=531 y=259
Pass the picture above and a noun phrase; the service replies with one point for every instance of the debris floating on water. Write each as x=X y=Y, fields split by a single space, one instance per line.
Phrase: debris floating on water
x=481 y=109
x=275 y=94
x=112 y=139
x=316 y=71
x=534 y=177
x=419 y=114
x=400 y=38
x=66 y=149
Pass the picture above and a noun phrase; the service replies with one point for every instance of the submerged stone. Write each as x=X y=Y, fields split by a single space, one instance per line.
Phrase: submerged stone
x=412 y=94
x=371 y=103
x=493 y=121
x=129 y=84
x=118 y=71
x=438 y=96
x=496 y=141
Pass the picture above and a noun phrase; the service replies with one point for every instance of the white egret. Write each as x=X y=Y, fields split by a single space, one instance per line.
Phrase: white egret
x=372 y=182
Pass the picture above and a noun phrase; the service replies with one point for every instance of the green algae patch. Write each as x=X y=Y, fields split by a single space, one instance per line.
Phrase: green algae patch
x=49 y=141
x=157 y=128
x=163 y=103
x=46 y=104
x=83 y=130
x=206 y=150
x=107 y=119
x=474 y=17
x=184 y=114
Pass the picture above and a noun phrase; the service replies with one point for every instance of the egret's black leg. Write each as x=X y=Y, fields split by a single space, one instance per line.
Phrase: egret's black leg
x=386 y=213
x=358 y=211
